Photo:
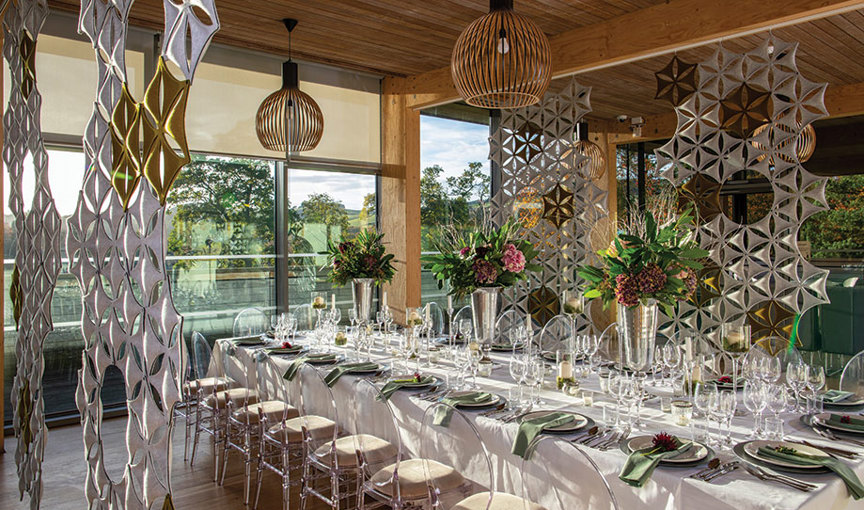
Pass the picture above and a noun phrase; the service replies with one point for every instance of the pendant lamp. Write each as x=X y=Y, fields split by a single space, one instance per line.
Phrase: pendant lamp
x=501 y=60
x=289 y=120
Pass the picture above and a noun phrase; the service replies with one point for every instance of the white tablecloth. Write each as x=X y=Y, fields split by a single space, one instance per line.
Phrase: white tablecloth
x=669 y=488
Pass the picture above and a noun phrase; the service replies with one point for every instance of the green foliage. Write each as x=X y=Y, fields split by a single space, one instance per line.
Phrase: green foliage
x=322 y=208
x=456 y=201
x=364 y=256
x=838 y=232
x=463 y=252
x=668 y=248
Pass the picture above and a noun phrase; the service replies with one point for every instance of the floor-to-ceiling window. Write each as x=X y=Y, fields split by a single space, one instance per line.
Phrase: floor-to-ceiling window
x=455 y=180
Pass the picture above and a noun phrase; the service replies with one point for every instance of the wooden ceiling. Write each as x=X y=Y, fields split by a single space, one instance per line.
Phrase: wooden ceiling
x=407 y=37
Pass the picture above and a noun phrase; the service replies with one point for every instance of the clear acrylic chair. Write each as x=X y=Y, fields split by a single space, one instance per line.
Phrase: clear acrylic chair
x=305 y=317
x=283 y=448
x=592 y=492
x=607 y=345
x=402 y=482
x=334 y=466
x=459 y=446
x=250 y=321
x=852 y=378
x=185 y=409
x=505 y=324
x=436 y=315
x=556 y=335
x=463 y=313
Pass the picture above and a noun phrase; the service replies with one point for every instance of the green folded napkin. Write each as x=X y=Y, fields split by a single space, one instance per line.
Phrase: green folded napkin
x=443 y=413
x=640 y=464
x=834 y=396
x=395 y=385
x=345 y=368
x=853 y=424
x=294 y=367
x=529 y=429
x=856 y=490
x=248 y=340
x=284 y=350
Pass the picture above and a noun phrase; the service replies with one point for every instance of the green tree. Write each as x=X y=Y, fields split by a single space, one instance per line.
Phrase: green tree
x=368 y=211
x=235 y=196
x=322 y=208
x=838 y=232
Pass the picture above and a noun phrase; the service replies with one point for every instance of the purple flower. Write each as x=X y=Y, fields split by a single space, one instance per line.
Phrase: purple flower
x=484 y=272
x=344 y=246
x=480 y=252
x=626 y=291
x=371 y=261
x=513 y=259
x=651 y=279
x=464 y=252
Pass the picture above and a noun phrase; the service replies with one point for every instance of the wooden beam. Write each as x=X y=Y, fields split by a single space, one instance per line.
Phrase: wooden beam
x=400 y=196
x=840 y=101
x=663 y=28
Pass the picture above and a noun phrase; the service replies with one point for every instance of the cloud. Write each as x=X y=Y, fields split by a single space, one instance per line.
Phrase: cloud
x=452 y=144
x=346 y=188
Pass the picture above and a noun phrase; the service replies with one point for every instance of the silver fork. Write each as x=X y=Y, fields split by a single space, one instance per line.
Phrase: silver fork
x=610 y=440
x=724 y=470
x=827 y=434
x=785 y=480
x=516 y=416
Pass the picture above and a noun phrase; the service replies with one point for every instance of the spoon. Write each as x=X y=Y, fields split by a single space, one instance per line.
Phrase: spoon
x=591 y=433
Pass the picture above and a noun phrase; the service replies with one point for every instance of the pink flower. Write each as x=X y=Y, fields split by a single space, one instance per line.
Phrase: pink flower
x=626 y=290
x=484 y=272
x=464 y=252
x=513 y=259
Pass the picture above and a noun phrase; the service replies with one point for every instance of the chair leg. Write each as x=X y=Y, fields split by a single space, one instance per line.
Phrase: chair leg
x=304 y=480
x=226 y=440
x=196 y=435
x=247 y=460
x=286 y=477
x=186 y=436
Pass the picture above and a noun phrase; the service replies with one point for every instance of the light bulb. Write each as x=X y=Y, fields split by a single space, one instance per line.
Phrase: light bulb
x=503 y=43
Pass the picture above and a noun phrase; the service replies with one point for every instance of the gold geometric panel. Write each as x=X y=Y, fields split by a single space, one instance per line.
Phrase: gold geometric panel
x=805 y=142
x=543 y=304
x=558 y=205
x=125 y=145
x=677 y=81
x=703 y=194
x=771 y=319
x=745 y=109
x=528 y=142
x=528 y=206
x=164 y=119
x=15 y=295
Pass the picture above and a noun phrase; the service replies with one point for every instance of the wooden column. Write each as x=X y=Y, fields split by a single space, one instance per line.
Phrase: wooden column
x=400 y=195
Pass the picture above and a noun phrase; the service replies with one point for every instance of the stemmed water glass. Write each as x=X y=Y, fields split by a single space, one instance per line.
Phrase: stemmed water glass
x=590 y=346
x=518 y=370
x=671 y=357
x=755 y=399
x=815 y=382
x=535 y=372
x=703 y=396
x=658 y=365
x=770 y=369
x=797 y=376
x=723 y=411
x=778 y=399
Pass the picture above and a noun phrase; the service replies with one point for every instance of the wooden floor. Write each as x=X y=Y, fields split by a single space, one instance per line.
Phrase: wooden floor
x=64 y=471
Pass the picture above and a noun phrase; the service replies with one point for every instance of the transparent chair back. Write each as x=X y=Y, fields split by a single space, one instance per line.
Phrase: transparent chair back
x=557 y=334
x=272 y=387
x=458 y=445
x=374 y=420
x=592 y=492
x=779 y=348
x=239 y=365
x=464 y=313
x=316 y=399
x=249 y=322
x=436 y=315
x=852 y=378
x=608 y=346
x=305 y=317
x=201 y=354
x=505 y=325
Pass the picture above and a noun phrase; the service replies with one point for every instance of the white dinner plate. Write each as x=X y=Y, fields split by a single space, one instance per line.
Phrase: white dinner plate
x=822 y=419
x=752 y=449
x=491 y=402
x=696 y=452
x=578 y=422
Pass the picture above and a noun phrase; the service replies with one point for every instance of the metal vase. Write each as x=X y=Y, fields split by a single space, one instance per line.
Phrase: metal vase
x=361 y=293
x=637 y=332
x=484 y=310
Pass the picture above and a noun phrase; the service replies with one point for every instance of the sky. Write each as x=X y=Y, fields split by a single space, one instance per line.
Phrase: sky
x=447 y=143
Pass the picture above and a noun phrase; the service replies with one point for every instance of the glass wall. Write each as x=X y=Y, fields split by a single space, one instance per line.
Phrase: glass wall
x=455 y=181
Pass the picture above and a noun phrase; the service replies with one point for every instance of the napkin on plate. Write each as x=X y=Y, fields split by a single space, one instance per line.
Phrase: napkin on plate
x=443 y=414
x=529 y=429
x=396 y=384
x=640 y=464
x=834 y=396
x=248 y=340
x=345 y=368
x=284 y=350
x=853 y=423
x=856 y=490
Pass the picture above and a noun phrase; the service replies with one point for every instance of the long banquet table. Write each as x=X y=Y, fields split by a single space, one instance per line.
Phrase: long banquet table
x=669 y=488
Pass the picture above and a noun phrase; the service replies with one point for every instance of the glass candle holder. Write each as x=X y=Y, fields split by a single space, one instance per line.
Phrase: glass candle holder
x=682 y=412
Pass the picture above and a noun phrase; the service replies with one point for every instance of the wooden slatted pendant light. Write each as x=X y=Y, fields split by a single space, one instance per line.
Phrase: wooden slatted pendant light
x=594 y=167
x=289 y=120
x=501 y=60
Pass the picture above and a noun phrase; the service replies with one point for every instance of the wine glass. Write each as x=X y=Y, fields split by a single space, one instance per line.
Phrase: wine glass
x=658 y=365
x=815 y=382
x=671 y=357
x=735 y=341
x=535 y=373
x=778 y=399
x=352 y=316
x=703 y=395
x=590 y=347
x=465 y=329
x=517 y=372
x=724 y=412
x=797 y=375
x=755 y=400
x=770 y=369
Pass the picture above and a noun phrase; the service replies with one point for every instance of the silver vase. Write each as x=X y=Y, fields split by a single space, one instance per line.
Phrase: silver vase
x=361 y=293
x=484 y=310
x=637 y=332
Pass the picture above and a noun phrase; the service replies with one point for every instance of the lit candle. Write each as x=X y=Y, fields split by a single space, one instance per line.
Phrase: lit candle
x=449 y=302
x=332 y=300
x=565 y=370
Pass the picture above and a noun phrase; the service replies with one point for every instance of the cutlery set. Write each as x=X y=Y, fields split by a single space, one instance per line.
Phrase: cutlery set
x=602 y=440
x=716 y=469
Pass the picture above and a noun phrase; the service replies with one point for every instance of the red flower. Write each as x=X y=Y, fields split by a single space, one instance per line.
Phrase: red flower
x=845 y=419
x=665 y=441
x=286 y=345
x=725 y=380
x=417 y=376
x=465 y=251
x=344 y=246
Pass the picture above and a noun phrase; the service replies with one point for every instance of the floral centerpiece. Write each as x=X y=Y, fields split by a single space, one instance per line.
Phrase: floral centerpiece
x=651 y=263
x=364 y=256
x=480 y=263
x=362 y=261
x=488 y=257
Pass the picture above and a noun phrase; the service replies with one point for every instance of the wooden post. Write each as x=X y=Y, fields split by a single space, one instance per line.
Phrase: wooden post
x=400 y=195
x=2 y=278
